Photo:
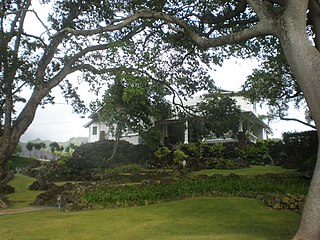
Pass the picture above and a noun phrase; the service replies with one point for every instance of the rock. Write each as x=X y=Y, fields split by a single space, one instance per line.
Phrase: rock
x=277 y=206
x=285 y=200
x=3 y=204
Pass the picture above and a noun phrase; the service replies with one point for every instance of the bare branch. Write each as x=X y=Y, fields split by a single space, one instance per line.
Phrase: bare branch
x=35 y=37
x=299 y=121
x=39 y=19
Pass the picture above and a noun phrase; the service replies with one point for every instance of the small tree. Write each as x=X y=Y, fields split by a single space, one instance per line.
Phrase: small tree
x=54 y=148
x=131 y=106
x=216 y=114
x=29 y=147
x=39 y=146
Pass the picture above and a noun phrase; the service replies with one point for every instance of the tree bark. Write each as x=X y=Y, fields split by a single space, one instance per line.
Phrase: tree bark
x=304 y=61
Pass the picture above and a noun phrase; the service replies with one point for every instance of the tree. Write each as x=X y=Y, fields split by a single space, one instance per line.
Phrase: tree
x=30 y=146
x=54 y=147
x=273 y=84
x=39 y=146
x=93 y=38
x=216 y=114
x=133 y=106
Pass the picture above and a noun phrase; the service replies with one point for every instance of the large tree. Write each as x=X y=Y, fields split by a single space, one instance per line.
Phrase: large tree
x=96 y=39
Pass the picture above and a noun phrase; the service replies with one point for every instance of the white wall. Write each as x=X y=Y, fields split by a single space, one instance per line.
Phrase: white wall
x=245 y=105
x=131 y=138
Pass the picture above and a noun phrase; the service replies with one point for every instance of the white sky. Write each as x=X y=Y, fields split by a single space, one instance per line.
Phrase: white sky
x=58 y=122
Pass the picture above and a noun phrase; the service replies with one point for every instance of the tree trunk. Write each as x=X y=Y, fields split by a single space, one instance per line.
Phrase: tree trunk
x=304 y=61
x=116 y=144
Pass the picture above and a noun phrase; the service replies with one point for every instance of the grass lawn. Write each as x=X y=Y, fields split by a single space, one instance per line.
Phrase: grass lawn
x=252 y=171
x=202 y=218
x=22 y=197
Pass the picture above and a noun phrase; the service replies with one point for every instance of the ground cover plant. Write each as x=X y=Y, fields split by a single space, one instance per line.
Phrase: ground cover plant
x=216 y=185
x=201 y=218
x=251 y=171
x=22 y=197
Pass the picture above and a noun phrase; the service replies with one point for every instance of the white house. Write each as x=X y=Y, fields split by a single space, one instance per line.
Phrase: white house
x=176 y=130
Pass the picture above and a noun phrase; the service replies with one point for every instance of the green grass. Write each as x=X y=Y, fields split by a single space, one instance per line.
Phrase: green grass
x=22 y=197
x=201 y=218
x=252 y=171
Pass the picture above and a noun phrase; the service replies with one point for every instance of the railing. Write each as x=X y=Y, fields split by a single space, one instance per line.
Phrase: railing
x=252 y=138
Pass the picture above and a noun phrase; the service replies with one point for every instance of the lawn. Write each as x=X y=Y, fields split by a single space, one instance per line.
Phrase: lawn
x=251 y=171
x=22 y=197
x=201 y=218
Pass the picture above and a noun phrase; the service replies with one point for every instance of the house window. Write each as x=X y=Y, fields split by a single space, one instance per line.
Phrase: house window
x=94 y=130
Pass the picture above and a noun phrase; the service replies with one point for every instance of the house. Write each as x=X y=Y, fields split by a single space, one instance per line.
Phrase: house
x=176 y=130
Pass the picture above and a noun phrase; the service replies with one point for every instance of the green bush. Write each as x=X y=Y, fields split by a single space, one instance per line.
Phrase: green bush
x=299 y=147
x=258 y=154
x=151 y=138
x=163 y=157
x=17 y=163
x=179 y=156
x=64 y=160
x=222 y=163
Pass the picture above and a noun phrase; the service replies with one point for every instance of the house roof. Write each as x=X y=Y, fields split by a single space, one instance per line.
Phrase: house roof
x=254 y=118
x=89 y=123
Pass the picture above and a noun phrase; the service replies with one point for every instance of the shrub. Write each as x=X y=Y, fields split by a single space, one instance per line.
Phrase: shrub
x=299 y=147
x=17 y=163
x=179 y=156
x=258 y=154
x=151 y=138
x=163 y=157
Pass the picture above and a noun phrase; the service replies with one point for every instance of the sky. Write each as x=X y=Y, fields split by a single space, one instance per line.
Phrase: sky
x=59 y=123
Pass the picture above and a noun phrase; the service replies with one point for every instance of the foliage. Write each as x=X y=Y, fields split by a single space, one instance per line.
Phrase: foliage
x=151 y=137
x=18 y=150
x=251 y=171
x=55 y=148
x=113 y=196
x=299 y=147
x=17 y=163
x=179 y=156
x=130 y=106
x=273 y=84
x=92 y=157
x=222 y=163
x=163 y=157
x=216 y=114
x=29 y=147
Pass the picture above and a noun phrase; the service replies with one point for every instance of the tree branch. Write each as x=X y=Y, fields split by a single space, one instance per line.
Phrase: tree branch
x=260 y=29
x=299 y=121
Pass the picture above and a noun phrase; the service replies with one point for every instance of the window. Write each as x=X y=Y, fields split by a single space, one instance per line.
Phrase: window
x=94 y=130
